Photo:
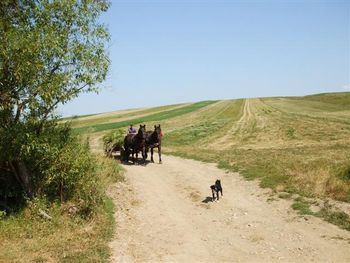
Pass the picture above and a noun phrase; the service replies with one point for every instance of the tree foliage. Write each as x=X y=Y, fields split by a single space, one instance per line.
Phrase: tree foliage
x=50 y=52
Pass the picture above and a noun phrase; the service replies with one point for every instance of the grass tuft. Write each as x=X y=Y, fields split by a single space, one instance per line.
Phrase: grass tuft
x=338 y=218
x=302 y=207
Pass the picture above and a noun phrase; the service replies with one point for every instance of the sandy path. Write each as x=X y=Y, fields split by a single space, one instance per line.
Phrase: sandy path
x=161 y=217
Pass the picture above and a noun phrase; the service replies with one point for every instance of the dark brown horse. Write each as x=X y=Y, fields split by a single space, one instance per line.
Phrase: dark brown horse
x=154 y=139
x=135 y=143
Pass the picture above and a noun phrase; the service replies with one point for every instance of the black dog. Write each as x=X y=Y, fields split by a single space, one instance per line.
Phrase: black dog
x=215 y=189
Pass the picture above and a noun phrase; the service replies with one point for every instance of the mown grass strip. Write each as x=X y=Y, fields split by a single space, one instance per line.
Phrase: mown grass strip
x=75 y=117
x=206 y=126
x=117 y=116
x=153 y=117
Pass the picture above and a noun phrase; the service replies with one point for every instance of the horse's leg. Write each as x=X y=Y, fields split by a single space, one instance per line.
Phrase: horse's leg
x=133 y=156
x=122 y=154
x=126 y=155
x=144 y=154
x=129 y=153
x=137 y=154
x=160 y=153
x=152 y=155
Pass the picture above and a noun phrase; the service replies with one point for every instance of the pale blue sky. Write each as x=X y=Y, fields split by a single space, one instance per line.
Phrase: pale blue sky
x=165 y=52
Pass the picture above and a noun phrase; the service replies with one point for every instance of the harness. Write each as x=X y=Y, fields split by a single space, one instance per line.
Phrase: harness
x=154 y=145
x=153 y=137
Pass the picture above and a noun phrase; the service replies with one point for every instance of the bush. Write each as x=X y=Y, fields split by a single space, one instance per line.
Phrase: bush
x=113 y=141
x=61 y=168
x=69 y=174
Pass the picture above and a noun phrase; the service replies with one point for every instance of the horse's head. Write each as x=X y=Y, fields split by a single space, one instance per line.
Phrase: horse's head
x=142 y=132
x=158 y=130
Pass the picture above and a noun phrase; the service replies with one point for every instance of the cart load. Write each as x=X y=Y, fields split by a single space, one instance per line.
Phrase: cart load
x=113 y=142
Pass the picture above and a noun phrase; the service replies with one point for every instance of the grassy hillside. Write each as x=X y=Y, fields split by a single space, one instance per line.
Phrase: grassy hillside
x=293 y=144
x=88 y=120
x=91 y=127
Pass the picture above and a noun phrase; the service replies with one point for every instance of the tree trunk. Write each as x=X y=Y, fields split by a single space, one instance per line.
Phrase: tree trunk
x=23 y=176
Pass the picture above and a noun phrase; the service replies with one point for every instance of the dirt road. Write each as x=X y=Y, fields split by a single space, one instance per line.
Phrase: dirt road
x=165 y=214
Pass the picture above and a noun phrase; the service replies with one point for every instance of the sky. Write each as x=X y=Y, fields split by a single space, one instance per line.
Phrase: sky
x=174 y=51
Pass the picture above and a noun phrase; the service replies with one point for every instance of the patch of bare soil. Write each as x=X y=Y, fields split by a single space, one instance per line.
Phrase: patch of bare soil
x=165 y=214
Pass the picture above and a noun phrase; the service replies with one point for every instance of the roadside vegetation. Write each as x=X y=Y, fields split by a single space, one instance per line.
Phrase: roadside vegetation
x=69 y=236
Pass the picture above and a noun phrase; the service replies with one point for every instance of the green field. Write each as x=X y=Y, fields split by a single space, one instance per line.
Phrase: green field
x=292 y=144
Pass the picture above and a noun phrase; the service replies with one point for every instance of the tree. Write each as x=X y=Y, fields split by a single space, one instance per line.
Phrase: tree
x=50 y=52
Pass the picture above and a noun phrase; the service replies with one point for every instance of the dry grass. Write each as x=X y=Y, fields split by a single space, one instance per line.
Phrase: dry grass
x=28 y=238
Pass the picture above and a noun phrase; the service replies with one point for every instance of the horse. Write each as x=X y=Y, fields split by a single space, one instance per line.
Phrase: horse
x=154 y=139
x=136 y=142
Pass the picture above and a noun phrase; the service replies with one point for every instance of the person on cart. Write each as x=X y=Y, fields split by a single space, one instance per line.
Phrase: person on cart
x=131 y=130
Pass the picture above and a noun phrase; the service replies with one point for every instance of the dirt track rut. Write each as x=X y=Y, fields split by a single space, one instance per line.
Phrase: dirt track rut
x=164 y=214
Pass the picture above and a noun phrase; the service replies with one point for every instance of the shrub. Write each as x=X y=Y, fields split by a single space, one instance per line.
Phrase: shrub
x=61 y=168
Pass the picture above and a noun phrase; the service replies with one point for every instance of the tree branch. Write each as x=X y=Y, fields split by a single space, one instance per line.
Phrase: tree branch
x=51 y=108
